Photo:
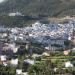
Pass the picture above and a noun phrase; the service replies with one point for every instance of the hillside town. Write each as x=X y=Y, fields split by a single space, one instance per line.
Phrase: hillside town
x=28 y=45
x=48 y=34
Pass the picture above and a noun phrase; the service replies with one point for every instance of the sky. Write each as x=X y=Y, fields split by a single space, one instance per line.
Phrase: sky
x=2 y=1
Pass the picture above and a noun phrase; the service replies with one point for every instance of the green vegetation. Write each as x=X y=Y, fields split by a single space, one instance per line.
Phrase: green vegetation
x=42 y=68
x=15 y=21
x=51 y=8
x=38 y=9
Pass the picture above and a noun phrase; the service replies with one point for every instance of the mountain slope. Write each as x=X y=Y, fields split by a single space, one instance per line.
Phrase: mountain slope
x=34 y=10
x=51 y=8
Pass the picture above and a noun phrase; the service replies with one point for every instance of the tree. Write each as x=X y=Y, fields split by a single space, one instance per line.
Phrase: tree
x=42 y=68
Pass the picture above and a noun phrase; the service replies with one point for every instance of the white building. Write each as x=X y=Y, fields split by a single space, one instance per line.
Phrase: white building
x=24 y=73
x=14 y=62
x=3 y=57
x=18 y=71
x=29 y=61
x=68 y=64
x=5 y=63
x=15 y=14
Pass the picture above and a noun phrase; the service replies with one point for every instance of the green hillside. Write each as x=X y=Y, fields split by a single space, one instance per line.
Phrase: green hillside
x=36 y=8
x=39 y=7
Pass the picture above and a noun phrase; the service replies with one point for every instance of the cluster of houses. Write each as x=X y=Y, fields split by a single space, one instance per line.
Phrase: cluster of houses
x=19 y=71
x=44 y=33
x=5 y=62
x=50 y=34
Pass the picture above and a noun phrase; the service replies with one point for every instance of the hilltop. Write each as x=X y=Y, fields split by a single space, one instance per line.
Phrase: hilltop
x=36 y=9
x=52 y=8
